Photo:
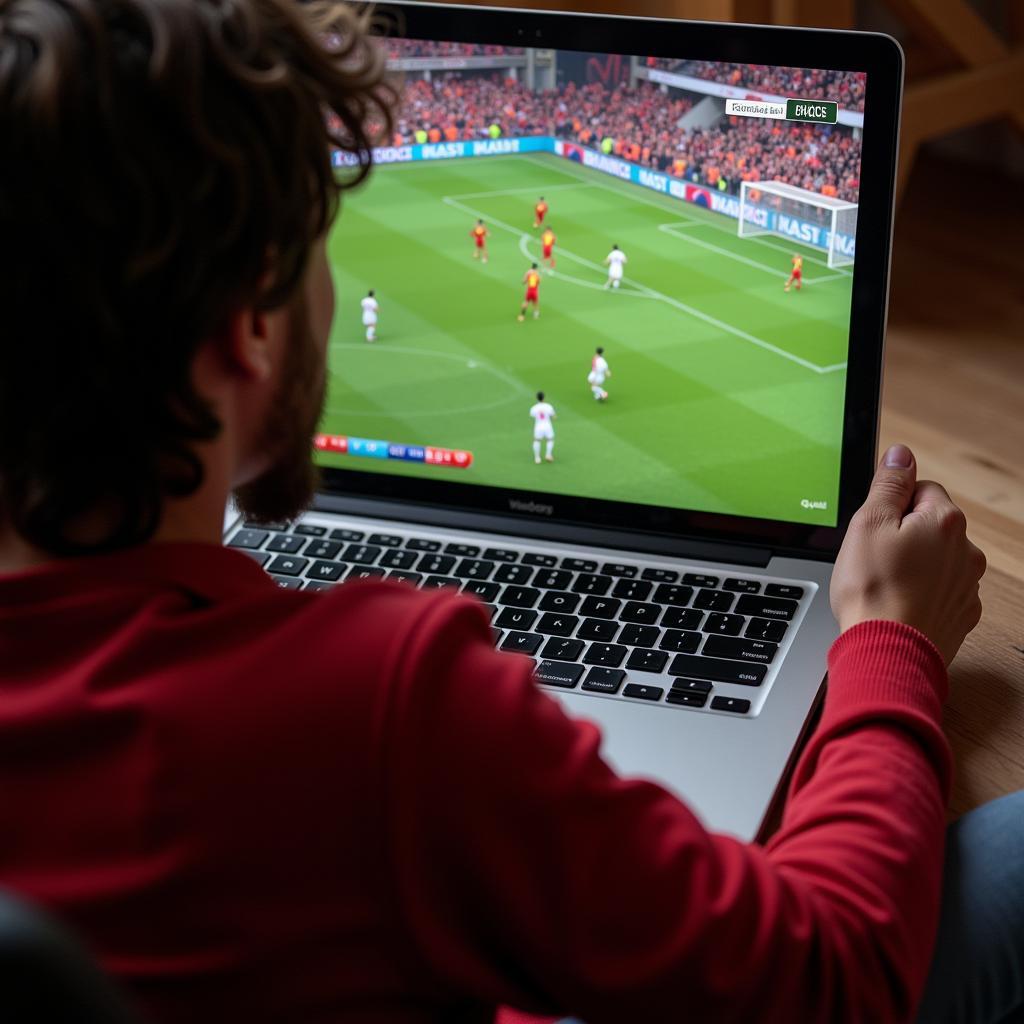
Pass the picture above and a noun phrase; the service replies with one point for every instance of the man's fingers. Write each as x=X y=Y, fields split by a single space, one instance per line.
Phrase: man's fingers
x=893 y=485
x=929 y=494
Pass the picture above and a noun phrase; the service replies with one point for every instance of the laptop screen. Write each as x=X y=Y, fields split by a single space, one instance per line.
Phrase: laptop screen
x=602 y=275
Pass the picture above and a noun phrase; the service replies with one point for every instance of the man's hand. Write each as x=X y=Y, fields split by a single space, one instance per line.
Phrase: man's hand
x=906 y=557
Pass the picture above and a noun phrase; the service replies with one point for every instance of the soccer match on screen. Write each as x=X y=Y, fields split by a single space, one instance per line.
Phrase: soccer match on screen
x=612 y=276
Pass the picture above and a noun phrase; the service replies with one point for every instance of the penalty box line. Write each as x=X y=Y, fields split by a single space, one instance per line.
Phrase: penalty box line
x=654 y=294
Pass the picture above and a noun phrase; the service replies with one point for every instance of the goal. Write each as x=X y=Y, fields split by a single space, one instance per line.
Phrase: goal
x=824 y=222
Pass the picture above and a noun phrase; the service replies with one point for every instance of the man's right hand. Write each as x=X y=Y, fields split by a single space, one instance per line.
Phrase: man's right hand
x=906 y=557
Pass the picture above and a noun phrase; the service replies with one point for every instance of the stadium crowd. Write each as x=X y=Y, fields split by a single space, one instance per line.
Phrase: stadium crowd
x=399 y=48
x=640 y=124
x=844 y=87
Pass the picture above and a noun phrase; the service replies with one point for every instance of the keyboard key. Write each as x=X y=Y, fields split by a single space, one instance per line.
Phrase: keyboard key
x=329 y=571
x=308 y=530
x=660 y=575
x=554 y=674
x=481 y=590
x=642 y=692
x=474 y=569
x=248 y=539
x=696 y=579
x=784 y=590
x=552 y=579
x=491 y=609
x=637 y=611
x=639 y=636
x=419 y=544
x=437 y=582
x=436 y=565
x=610 y=655
x=681 y=641
x=259 y=557
x=763 y=629
x=713 y=600
x=518 y=574
x=736 y=704
x=520 y=597
x=742 y=586
x=598 y=629
x=600 y=607
x=544 y=561
x=365 y=572
x=385 y=540
x=287 y=582
x=632 y=590
x=318 y=585
x=742 y=650
x=557 y=625
x=766 y=607
x=398 y=559
x=501 y=555
x=286 y=565
x=603 y=680
x=413 y=578
x=618 y=569
x=725 y=625
x=516 y=618
x=352 y=536
x=462 y=550
x=691 y=686
x=646 y=661
x=323 y=549
x=496 y=635
x=364 y=554
x=279 y=527
x=717 y=670
x=523 y=643
x=579 y=565
x=562 y=649
x=681 y=618
x=287 y=543
x=690 y=700
x=669 y=593
x=587 y=583
x=559 y=601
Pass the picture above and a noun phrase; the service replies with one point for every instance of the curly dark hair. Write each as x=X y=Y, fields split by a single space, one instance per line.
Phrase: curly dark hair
x=163 y=163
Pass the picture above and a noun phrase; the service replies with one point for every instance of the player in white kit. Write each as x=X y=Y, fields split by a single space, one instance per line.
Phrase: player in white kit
x=370 y=308
x=615 y=262
x=599 y=372
x=543 y=415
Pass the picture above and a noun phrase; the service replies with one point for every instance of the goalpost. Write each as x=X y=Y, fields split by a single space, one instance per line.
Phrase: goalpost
x=768 y=207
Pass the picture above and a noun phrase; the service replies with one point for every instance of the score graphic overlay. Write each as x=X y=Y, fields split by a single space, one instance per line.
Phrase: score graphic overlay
x=370 y=449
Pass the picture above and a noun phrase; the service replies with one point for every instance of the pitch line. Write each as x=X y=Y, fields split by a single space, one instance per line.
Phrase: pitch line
x=653 y=293
x=661 y=206
x=672 y=229
x=524 y=248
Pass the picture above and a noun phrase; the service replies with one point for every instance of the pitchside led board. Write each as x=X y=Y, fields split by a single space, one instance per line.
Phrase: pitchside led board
x=663 y=248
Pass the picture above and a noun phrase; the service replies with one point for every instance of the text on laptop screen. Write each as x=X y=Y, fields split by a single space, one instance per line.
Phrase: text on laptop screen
x=605 y=276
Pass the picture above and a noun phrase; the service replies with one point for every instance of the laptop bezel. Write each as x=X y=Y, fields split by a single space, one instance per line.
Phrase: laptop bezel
x=880 y=57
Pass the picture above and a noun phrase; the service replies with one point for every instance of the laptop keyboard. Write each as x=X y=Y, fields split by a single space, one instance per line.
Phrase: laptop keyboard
x=662 y=636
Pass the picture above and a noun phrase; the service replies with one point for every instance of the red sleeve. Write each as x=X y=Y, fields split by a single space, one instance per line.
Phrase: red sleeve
x=527 y=873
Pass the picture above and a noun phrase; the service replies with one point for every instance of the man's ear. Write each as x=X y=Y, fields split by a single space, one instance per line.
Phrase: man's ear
x=245 y=343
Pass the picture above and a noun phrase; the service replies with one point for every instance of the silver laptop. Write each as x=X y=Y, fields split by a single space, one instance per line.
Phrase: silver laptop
x=606 y=358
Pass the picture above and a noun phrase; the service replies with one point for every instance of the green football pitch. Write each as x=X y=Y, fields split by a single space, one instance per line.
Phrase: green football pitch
x=726 y=392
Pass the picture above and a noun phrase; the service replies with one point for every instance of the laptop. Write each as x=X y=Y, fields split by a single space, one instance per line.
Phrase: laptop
x=606 y=358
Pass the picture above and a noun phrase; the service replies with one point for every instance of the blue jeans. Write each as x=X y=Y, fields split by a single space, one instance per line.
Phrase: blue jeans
x=977 y=974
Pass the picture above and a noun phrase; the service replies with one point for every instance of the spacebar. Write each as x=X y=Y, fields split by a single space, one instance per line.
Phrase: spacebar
x=717 y=670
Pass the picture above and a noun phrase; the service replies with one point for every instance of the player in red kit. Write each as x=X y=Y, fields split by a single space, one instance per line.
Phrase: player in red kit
x=479 y=235
x=547 y=240
x=798 y=272
x=539 y=212
x=532 y=281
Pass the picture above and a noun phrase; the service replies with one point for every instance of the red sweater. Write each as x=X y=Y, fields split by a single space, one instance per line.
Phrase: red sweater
x=260 y=805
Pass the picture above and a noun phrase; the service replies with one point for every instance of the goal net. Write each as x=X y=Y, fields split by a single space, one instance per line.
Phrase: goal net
x=824 y=222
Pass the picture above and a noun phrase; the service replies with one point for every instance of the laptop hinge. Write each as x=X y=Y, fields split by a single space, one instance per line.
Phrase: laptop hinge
x=618 y=539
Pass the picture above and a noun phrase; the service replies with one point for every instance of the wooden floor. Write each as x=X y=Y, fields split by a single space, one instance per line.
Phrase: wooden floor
x=954 y=391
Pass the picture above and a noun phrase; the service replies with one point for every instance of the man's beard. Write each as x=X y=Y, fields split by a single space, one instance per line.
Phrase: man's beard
x=285 y=490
